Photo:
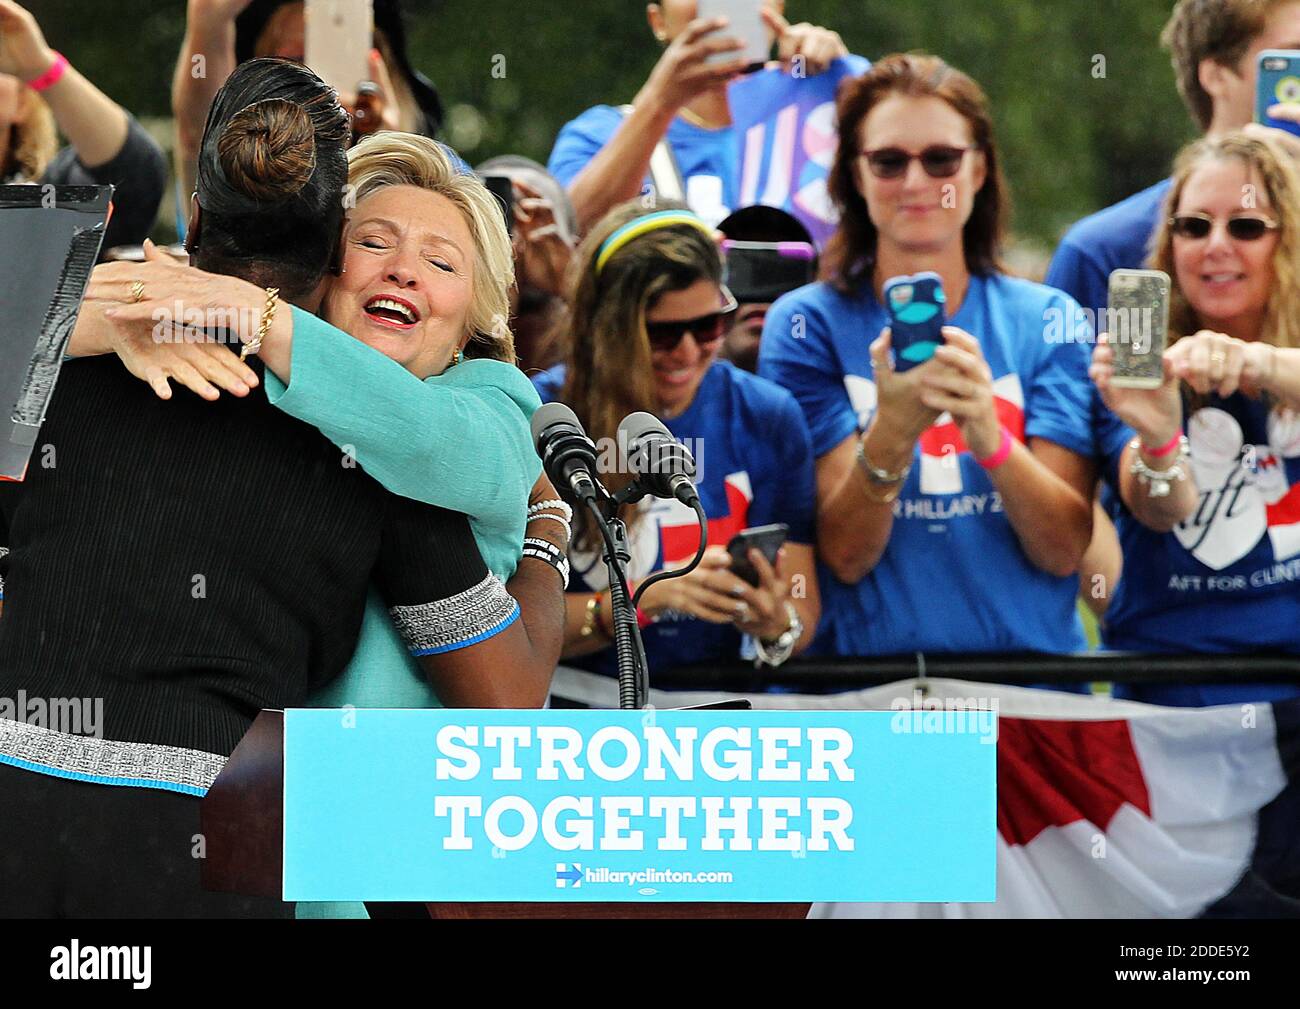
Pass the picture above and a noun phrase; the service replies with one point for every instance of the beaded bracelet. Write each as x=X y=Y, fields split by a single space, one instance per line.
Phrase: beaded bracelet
x=556 y=503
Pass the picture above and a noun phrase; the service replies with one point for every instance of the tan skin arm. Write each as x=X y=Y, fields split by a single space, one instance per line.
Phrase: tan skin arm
x=95 y=125
x=514 y=668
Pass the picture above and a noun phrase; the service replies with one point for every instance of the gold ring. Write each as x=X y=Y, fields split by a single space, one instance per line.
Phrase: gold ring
x=137 y=292
x=1218 y=357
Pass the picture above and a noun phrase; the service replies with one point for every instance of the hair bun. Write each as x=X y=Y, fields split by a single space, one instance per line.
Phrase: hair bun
x=268 y=150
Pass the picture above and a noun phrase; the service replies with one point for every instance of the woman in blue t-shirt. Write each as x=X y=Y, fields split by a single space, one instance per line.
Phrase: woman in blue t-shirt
x=678 y=130
x=953 y=498
x=649 y=314
x=1207 y=466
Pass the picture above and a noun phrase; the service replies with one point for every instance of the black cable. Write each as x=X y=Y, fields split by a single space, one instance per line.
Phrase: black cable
x=703 y=521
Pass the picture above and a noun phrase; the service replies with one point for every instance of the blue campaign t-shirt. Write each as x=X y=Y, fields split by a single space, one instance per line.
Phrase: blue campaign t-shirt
x=1227 y=580
x=707 y=158
x=710 y=159
x=755 y=467
x=953 y=577
x=1112 y=239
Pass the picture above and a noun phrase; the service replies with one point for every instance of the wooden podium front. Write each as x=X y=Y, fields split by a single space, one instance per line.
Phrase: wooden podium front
x=242 y=819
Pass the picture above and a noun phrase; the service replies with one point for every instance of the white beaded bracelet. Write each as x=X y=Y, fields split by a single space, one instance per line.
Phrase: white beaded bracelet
x=556 y=503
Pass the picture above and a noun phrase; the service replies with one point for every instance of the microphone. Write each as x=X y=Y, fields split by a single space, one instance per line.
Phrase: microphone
x=662 y=465
x=568 y=455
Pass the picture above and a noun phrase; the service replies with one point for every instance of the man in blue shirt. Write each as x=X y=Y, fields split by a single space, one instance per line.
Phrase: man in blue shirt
x=1214 y=45
x=680 y=115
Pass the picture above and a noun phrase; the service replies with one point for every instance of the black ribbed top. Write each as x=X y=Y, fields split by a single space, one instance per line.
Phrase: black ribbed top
x=194 y=562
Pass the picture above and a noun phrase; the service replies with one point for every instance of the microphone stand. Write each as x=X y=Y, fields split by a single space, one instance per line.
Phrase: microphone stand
x=633 y=670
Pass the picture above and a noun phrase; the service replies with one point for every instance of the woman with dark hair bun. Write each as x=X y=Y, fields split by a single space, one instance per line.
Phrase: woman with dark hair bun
x=189 y=563
x=953 y=496
x=271 y=179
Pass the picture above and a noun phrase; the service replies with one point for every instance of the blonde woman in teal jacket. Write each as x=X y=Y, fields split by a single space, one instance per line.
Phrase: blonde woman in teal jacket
x=423 y=393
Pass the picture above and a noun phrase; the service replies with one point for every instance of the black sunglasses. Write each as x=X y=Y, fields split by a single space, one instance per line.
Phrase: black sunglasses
x=939 y=161
x=707 y=329
x=1244 y=229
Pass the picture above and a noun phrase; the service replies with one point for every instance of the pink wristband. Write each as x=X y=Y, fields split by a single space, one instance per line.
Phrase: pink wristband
x=1163 y=450
x=52 y=76
x=1000 y=456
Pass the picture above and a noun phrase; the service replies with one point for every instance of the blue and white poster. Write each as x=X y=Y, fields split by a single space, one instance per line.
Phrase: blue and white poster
x=785 y=127
x=444 y=805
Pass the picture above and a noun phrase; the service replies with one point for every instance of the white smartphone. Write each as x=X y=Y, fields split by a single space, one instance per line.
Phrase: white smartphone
x=744 y=23
x=339 y=37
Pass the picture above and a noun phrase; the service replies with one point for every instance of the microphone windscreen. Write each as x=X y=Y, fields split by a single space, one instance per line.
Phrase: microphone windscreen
x=550 y=414
x=637 y=425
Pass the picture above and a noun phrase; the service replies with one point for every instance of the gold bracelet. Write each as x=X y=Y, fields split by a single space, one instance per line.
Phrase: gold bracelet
x=268 y=317
x=592 y=618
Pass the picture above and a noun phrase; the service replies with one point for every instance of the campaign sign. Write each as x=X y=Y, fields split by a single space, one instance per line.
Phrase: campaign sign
x=469 y=805
x=786 y=134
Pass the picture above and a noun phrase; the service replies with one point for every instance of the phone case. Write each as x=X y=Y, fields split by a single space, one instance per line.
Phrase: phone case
x=1278 y=83
x=916 y=316
x=1136 y=325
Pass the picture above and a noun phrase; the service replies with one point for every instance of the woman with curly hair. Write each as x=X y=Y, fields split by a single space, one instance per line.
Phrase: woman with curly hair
x=1207 y=466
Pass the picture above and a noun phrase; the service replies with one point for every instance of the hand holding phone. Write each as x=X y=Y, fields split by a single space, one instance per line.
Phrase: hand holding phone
x=767 y=540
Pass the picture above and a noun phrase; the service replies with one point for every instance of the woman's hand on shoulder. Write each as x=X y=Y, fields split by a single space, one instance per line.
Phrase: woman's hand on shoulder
x=166 y=336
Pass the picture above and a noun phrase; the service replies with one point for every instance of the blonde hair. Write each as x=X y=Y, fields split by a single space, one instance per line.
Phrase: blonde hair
x=1282 y=184
x=34 y=143
x=406 y=159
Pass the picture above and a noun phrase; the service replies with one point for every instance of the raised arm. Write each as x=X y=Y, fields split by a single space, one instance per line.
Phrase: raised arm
x=206 y=59
x=459 y=440
x=615 y=174
x=94 y=124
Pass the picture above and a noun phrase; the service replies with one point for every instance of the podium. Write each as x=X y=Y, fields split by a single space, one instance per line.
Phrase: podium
x=242 y=819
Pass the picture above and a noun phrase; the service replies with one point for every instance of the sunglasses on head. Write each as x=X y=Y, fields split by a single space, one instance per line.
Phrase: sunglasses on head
x=939 y=161
x=707 y=329
x=1244 y=229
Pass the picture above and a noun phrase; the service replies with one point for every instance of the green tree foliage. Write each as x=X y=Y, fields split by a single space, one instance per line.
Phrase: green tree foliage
x=1083 y=97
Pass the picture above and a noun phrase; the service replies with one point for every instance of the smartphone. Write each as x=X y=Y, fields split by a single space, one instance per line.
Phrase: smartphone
x=1277 y=83
x=339 y=37
x=744 y=23
x=766 y=539
x=1137 y=324
x=760 y=272
x=916 y=317
x=503 y=189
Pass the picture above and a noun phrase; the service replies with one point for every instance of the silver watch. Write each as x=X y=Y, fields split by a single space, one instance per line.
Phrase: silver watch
x=774 y=653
